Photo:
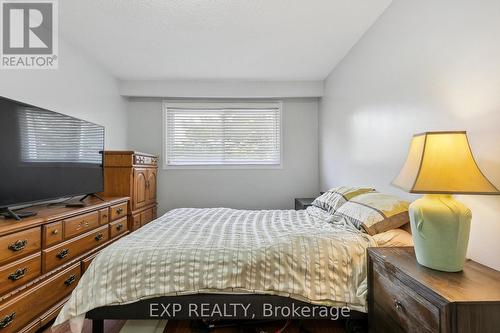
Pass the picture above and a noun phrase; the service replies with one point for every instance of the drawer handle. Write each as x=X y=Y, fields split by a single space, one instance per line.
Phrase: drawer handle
x=19 y=273
x=119 y=211
x=18 y=245
x=63 y=253
x=99 y=237
x=69 y=281
x=119 y=227
x=104 y=216
x=55 y=232
x=7 y=320
x=398 y=305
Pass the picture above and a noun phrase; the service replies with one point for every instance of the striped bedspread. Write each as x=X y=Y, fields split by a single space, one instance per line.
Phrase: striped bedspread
x=189 y=251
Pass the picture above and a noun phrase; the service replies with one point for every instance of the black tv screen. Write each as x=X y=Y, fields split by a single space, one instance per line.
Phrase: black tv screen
x=46 y=155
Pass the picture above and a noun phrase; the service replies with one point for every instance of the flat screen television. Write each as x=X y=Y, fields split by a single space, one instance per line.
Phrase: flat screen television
x=46 y=155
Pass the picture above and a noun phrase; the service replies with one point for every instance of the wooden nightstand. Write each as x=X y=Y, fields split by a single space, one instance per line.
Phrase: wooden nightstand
x=404 y=296
x=303 y=203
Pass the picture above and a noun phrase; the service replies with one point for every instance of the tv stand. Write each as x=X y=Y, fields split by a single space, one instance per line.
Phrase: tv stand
x=80 y=203
x=8 y=213
x=56 y=246
x=92 y=195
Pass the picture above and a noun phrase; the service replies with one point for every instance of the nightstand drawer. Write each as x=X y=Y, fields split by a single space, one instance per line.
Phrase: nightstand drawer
x=404 y=296
x=404 y=307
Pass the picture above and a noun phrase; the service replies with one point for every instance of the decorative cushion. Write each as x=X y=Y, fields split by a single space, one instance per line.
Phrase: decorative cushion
x=332 y=199
x=375 y=212
x=394 y=237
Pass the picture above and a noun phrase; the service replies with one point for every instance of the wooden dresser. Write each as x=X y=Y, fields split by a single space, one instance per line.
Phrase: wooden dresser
x=43 y=257
x=404 y=296
x=133 y=174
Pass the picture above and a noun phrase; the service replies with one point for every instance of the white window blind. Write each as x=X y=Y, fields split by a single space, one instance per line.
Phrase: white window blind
x=223 y=134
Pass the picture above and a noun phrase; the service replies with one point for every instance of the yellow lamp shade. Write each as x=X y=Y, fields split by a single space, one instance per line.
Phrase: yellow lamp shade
x=442 y=162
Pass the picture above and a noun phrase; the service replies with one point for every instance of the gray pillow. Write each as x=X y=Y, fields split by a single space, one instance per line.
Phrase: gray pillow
x=334 y=198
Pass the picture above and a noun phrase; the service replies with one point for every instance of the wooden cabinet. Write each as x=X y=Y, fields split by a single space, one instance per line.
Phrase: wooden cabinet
x=404 y=296
x=42 y=258
x=140 y=197
x=135 y=175
x=144 y=187
x=151 y=186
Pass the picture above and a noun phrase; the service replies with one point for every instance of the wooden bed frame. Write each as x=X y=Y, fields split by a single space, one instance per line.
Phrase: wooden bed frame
x=163 y=308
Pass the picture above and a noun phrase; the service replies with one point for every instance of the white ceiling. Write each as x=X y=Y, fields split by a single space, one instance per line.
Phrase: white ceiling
x=217 y=39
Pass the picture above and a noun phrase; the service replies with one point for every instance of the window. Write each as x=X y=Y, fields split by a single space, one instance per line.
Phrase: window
x=222 y=134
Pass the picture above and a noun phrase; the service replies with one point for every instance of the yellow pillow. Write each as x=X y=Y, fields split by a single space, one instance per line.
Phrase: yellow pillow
x=375 y=212
x=394 y=237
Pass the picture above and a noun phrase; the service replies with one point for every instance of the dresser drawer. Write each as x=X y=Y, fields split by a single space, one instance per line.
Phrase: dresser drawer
x=104 y=216
x=86 y=262
x=22 y=309
x=118 y=211
x=118 y=227
x=19 y=272
x=146 y=216
x=60 y=254
x=145 y=160
x=408 y=310
x=52 y=233
x=135 y=222
x=19 y=244
x=80 y=224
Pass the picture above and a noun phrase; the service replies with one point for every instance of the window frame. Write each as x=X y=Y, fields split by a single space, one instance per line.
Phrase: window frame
x=220 y=104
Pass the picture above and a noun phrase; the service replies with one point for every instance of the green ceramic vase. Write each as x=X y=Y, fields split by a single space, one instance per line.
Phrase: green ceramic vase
x=440 y=227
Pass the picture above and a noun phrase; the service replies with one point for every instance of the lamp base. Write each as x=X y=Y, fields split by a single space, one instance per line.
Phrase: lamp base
x=440 y=227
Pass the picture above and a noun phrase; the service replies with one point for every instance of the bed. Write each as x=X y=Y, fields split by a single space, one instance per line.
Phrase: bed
x=221 y=255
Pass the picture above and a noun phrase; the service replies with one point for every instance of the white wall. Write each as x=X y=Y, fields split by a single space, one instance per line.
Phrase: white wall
x=424 y=65
x=78 y=88
x=235 y=188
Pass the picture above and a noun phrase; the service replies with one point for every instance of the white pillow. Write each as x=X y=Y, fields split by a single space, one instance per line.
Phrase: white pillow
x=393 y=237
x=335 y=197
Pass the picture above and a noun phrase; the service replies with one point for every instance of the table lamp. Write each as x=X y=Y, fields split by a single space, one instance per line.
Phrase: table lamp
x=438 y=165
